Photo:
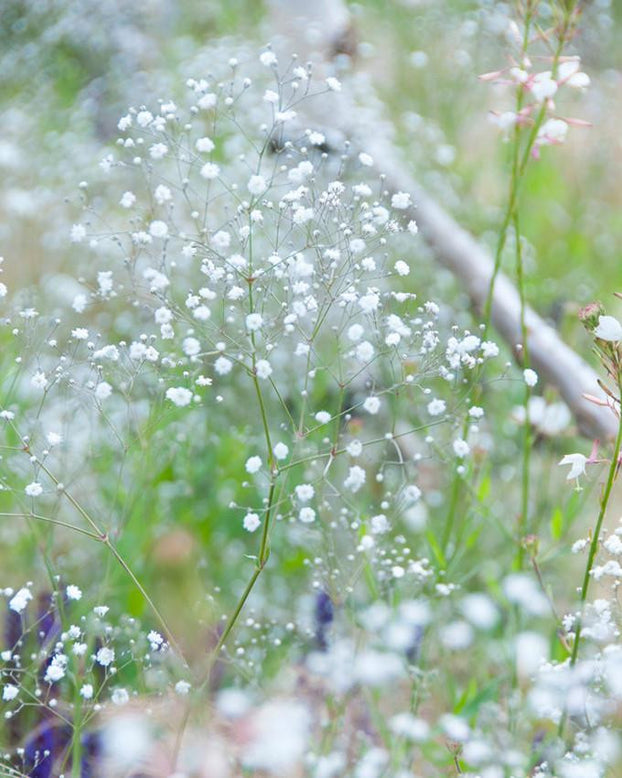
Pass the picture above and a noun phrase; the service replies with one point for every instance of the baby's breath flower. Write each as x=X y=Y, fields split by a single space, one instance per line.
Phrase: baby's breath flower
x=105 y=656
x=73 y=592
x=20 y=600
x=281 y=451
x=401 y=200
x=179 y=396
x=253 y=464
x=33 y=489
x=251 y=522
x=530 y=376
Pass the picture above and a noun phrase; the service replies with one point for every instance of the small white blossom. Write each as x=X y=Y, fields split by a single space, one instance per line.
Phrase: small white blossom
x=530 y=376
x=105 y=656
x=355 y=479
x=461 y=448
x=609 y=328
x=251 y=522
x=306 y=515
x=73 y=592
x=577 y=464
x=401 y=201
x=33 y=489
x=20 y=600
x=281 y=451
x=179 y=396
x=253 y=464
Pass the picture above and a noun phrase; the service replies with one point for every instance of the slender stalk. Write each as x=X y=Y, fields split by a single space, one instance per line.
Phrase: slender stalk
x=594 y=545
x=523 y=519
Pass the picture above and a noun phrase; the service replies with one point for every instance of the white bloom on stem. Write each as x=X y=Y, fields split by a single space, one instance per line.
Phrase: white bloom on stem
x=543 y=86
x=553 y=132
x=257 y=185
x=179 y=396
x=281 y=451
x=34 y=489
x=19 y=601
x=253 y=464
x=609 y=328
x=251 y=522
x=568 y=73
x=10 y=692
x=401 y=200
x=577 y=464
x=530 y=376
x=461 y=448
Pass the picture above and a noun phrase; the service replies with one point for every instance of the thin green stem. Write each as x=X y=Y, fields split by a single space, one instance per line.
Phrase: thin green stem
x=594 y=545
x=523 y=520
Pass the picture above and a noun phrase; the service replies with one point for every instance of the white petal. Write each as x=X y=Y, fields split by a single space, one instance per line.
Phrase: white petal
x=609 y=328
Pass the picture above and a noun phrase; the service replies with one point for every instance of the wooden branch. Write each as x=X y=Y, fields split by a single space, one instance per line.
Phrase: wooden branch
x=452 y=246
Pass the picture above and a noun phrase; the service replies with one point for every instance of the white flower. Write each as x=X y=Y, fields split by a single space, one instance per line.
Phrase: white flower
x=355 y=479
x=120 y=697
x=401 y=268
x=609 y=328
x=413 y=227
x=304 y=492
x=127 y=200
x=461 y=448
x=223 y=365
x=39 y=380
x=103 y=391
x=306 y=515
x=158 y=229
x=158 y=150
x=263 y=368
x=105 y=656
x=543 y=86
x=354 y=448
x=530 y=376
x=155 y=640
x=281 y=451
x=179 y=396
x=182 y=687
x=401 y=201
x=19 y=601
x=254 y=322
x=10 y=692
x=268 y=58
x=577 y=464
x=257 y=185
x=162 y=194
x=253 y=464
x=372 y=405
x=210 y=171
x=191 y=347
x=73 y=592
x=78 y=233
x=436 y=407
x=86 y=691
x=333 y=84
x=355 y=332
x=553 y=132
x=204 y=145
x=33 y=489
x=251 y=522
x=366 y=159
x=56 y=669
x=207 y=101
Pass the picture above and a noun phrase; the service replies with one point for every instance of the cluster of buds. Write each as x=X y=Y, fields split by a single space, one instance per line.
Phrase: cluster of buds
x=536 y=105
